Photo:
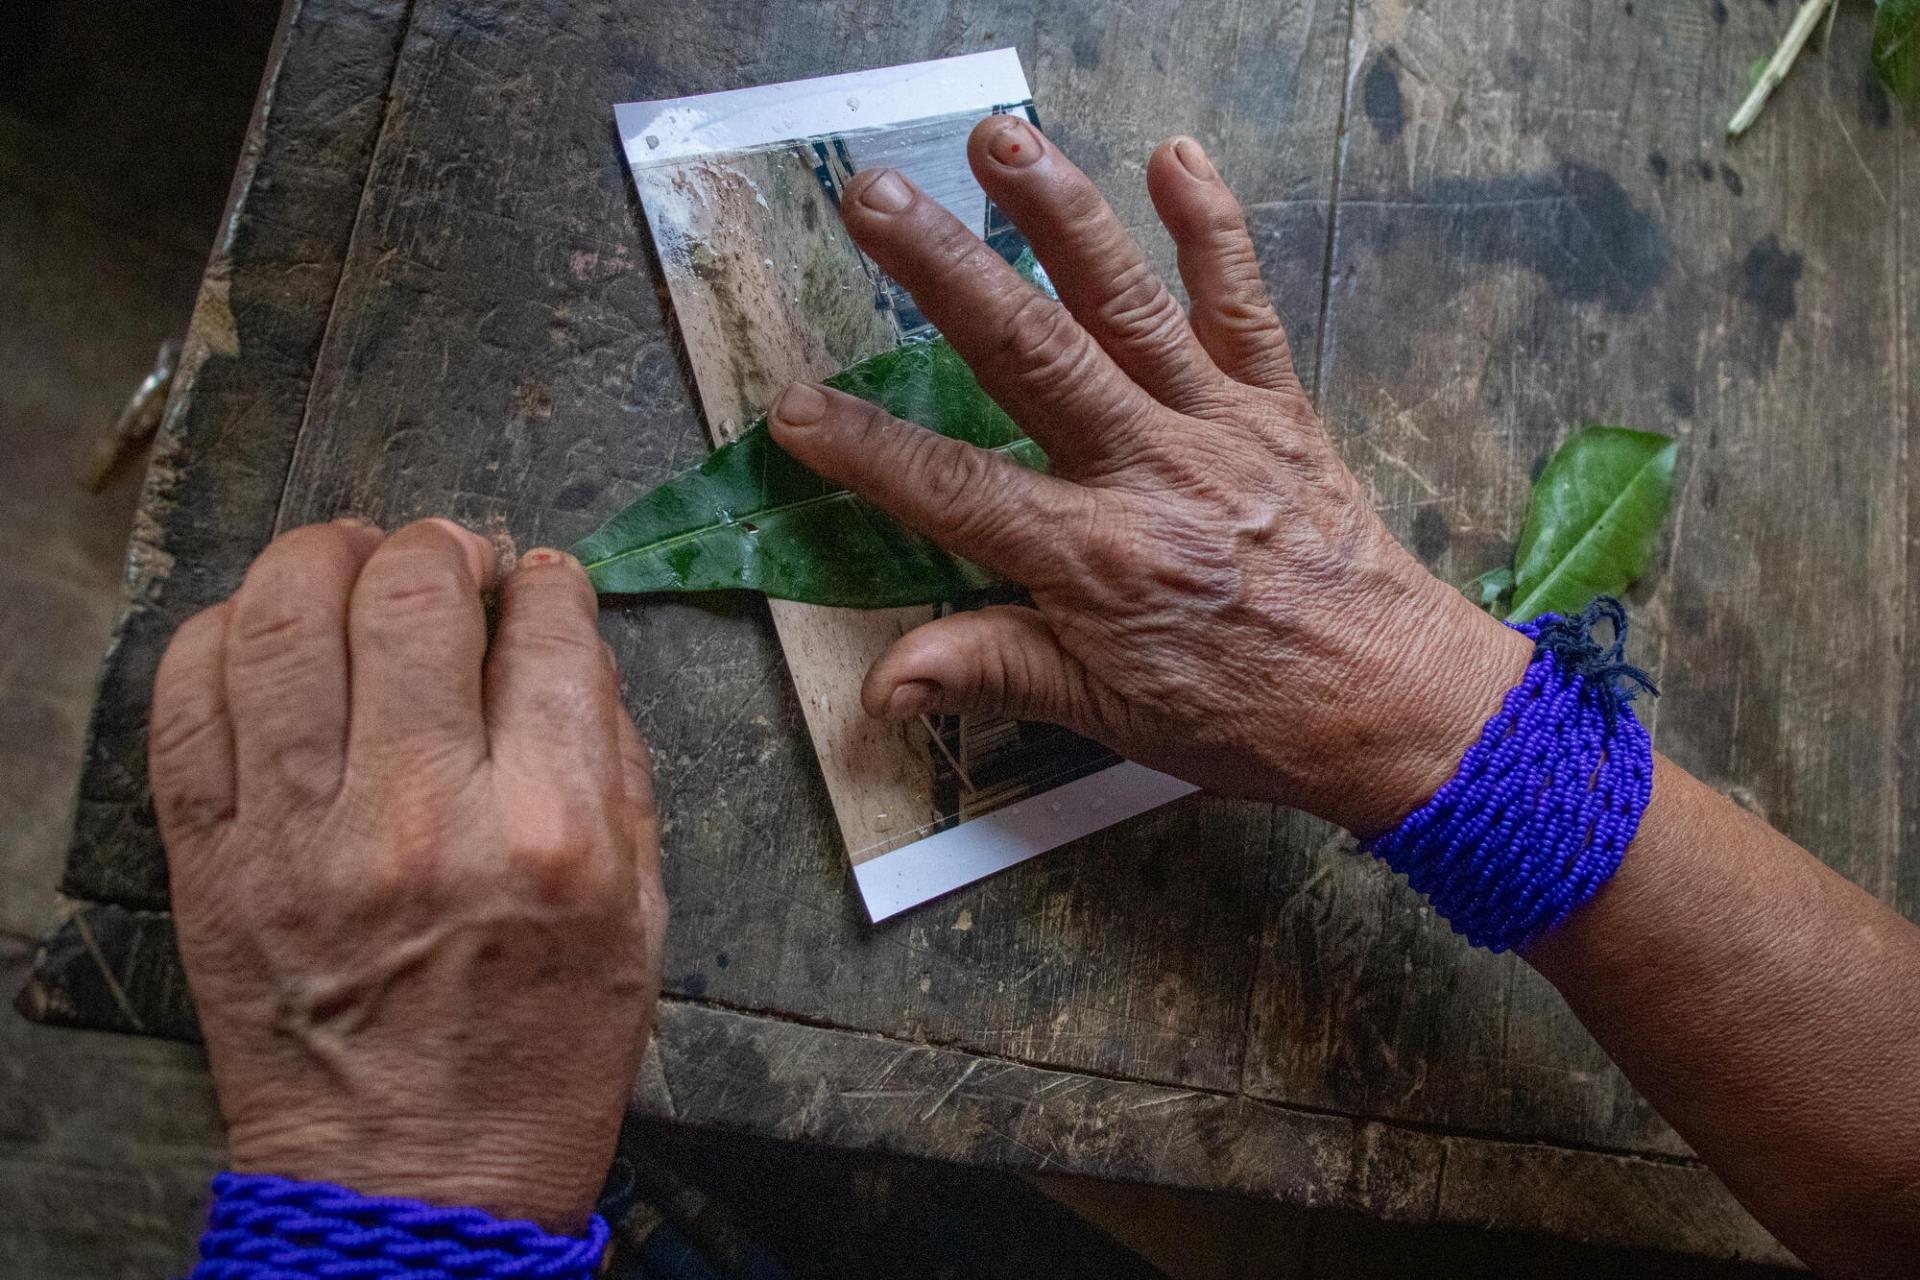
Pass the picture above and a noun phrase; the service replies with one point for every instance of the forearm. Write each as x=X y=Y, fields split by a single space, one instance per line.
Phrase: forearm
x=1771 y=1011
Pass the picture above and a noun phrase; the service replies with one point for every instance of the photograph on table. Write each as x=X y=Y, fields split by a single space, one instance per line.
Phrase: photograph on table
x=742 y=192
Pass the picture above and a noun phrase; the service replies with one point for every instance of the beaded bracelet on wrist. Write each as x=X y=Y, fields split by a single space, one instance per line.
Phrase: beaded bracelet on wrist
x=1544 y=805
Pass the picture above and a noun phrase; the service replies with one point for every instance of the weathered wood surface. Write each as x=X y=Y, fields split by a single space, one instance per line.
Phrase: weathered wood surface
x=214 y=483
x=1483 y=223
x=718 y=1068
x=1547 y=188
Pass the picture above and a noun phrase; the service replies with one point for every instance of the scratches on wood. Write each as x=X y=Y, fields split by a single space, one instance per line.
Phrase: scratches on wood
x=1531 y=223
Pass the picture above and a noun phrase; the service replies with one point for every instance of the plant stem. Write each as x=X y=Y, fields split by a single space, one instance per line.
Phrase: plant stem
x=1811 y=11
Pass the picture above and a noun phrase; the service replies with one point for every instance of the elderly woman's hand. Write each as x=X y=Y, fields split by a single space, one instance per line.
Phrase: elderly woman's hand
x=416 y=877
x=1213 y=595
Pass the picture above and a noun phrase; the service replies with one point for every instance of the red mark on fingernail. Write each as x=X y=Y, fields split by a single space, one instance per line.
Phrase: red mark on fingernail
x=1016 y=148
x=542 y=557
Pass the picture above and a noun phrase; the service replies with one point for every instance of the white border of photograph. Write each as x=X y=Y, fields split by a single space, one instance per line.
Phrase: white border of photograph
x=674 y=129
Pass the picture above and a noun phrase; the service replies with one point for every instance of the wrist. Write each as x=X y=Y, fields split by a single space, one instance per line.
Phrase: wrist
x=1443 y=675
x=508 y=1170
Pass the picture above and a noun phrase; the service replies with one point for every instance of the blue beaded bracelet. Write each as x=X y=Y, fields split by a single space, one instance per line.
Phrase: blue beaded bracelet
x=1545 y=804
x=269 y=1228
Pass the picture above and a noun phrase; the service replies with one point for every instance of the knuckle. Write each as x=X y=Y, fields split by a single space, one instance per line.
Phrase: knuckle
x=1080 y=209
x=876 y=429
x=956 y=253
x=413 y=582
x=998 y=684
x=1248 y=314
x=410 y=831
x=186 y=806
x=1225 y=223
x=274 y=639
x=1140 y=312
x=1111 y=551
x=949 y=479
x=392 y=877
x=564 y=866
x=548 y=640
x=1043 y=349
x=178 y=725
x=1243 y=303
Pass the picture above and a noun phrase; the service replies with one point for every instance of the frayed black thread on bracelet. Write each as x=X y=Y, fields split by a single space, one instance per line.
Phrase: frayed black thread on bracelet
x=1571 y=641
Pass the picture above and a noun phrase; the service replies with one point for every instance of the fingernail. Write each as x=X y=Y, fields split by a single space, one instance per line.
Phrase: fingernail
x=1194 y=158
x=914 y=698
x=800 y=405
x=353 y=522
x=886 y=192
x=1014 y=144
x=540 y=556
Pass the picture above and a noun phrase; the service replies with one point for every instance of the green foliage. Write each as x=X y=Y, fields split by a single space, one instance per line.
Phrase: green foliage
x=1592 y=523
x=753 y=517
x=1494 y=588
x=1896 y=52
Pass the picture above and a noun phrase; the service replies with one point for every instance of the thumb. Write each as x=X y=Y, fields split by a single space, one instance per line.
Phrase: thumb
x=1001 y=661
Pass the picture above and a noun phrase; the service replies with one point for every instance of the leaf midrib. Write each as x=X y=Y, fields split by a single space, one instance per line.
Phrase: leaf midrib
x=1573 y=552
x=677 y=539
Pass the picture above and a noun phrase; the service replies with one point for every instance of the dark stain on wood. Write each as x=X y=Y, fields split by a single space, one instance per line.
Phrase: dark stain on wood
x=1431 y=536
x=1576 y=227
x=1167 y=1001
x=1680 y=399
x=1769 y=283
x=1385 y=108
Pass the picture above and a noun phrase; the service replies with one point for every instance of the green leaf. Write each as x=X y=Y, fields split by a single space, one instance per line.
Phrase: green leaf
x=1593 y=521
x=753 y=517
x=1493 y=587
x=1896 y=51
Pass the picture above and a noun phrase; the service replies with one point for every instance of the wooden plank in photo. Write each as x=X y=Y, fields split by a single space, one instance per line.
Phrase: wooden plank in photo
x=758 y=292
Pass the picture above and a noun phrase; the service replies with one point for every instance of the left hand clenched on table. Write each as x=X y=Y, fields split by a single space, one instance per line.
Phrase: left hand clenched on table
x=416 y=878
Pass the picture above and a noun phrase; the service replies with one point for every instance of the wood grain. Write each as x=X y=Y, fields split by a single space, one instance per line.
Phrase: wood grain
x=718 y=1068
x=1548 y=188
x=1483 y=223
x=221 y=457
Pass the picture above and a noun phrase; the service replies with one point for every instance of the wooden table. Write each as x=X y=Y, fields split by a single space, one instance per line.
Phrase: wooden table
x=1484 y=222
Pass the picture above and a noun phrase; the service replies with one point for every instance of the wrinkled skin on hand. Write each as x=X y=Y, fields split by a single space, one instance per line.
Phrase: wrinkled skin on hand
x=416 y=879
x=1212 y=593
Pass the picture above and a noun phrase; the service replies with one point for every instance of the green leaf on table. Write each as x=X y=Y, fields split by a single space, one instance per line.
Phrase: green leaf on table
x=1896 y=51
x=1494 y=587
x=1593 y=520
x=752 y=517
